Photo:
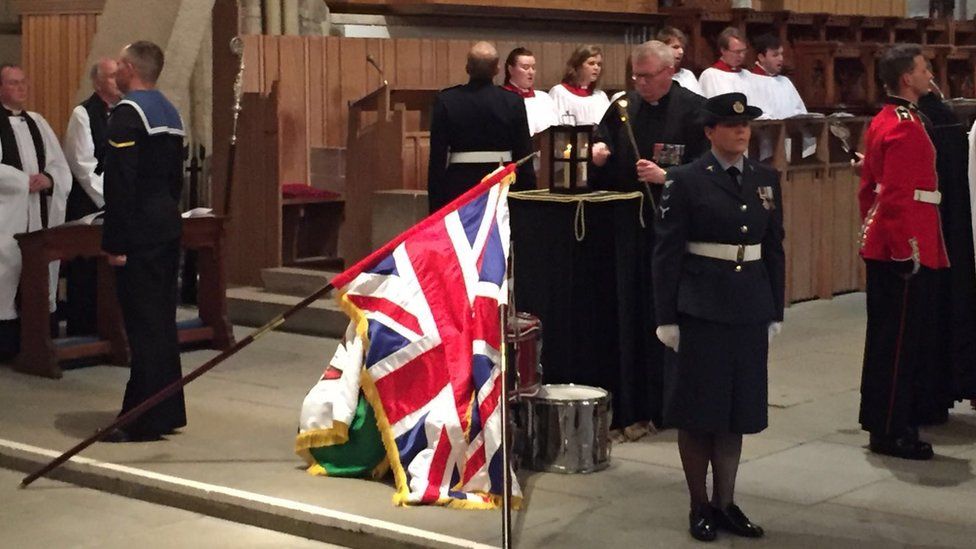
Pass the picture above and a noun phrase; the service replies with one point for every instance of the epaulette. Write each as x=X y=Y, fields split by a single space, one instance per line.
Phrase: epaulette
x=904 y=114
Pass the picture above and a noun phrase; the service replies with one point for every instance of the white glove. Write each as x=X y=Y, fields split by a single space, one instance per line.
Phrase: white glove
x=669 y=334
x=774 y=329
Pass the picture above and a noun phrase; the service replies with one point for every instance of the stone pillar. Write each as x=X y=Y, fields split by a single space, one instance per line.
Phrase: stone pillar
x=272 y=16
x=251 y=16
x=289 y=17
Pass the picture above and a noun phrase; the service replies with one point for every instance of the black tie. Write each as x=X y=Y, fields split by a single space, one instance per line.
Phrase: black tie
x=734 y=173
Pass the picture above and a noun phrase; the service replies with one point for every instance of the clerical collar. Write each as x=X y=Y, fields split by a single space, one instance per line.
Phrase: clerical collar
x=901 y=102
x=526 y=93
x=725 y=165
x=725 y=67
x=757 y=68
x=576 y=90
x=10 y=112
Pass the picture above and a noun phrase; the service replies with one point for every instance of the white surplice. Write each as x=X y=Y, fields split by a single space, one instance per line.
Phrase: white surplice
x=688 y=81
x=715 y=81
x=583 y=110
x=541 y=112
x=79 y=151
x=20 y=211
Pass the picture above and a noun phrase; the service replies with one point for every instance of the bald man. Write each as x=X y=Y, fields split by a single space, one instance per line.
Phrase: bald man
x=473 y=127
x=84 y=149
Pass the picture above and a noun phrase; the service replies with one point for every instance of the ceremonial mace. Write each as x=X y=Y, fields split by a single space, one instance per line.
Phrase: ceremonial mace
x=625 y=120
x=237 y=47
x=172 y=388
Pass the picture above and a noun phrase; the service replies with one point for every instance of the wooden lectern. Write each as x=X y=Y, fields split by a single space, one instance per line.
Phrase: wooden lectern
x=388 y=147
x=40 y=354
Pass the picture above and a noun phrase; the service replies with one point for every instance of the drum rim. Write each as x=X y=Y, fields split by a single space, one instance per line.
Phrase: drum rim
x=591 y=401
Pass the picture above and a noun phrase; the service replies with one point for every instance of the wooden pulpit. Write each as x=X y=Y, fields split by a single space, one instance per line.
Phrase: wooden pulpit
x=40 y=354
x=388 y=147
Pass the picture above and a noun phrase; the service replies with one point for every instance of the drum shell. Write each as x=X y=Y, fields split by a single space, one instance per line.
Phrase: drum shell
x=565 y=436
x=524 y=352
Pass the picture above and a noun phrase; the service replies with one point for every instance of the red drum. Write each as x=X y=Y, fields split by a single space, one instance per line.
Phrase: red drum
x=523 y=346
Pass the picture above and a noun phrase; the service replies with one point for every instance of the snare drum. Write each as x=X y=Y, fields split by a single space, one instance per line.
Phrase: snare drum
x=566 y=429
x=523 y=345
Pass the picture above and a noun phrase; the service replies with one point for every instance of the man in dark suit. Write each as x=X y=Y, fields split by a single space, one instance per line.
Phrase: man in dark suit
x=141 y=236
x=473 y=127
x=719 y=275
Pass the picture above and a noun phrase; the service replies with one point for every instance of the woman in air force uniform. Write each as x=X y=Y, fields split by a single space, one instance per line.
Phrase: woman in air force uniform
x=718 y=272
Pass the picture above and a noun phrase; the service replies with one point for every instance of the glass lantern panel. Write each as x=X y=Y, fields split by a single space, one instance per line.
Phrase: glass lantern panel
x=583 y=145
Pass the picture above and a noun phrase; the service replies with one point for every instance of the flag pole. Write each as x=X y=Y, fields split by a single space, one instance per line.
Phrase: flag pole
x=506 y=459
x=168 y=391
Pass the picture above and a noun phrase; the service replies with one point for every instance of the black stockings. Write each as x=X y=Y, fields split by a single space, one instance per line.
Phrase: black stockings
x=723 y=451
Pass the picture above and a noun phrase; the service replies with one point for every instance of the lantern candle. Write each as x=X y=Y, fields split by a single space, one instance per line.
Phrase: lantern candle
x=567 y=154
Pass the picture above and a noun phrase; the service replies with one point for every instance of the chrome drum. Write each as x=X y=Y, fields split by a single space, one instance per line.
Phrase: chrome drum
x=566 y=429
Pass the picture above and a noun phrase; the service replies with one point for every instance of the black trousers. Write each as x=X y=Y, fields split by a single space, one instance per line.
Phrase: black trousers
x=81 y=308
x=147 y=290
x=904 y=381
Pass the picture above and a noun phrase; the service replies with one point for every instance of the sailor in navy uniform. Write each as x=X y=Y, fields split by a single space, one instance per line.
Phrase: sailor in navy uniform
x=141 y=236
x=719 y=275
x=473 y=127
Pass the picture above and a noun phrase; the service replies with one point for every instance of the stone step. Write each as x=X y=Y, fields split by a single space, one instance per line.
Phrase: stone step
x=267 y=511
x=295 y=281
x=251 y=306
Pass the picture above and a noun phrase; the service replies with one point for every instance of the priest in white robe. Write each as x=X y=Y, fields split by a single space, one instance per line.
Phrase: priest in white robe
x=520 y=79
x=34 y=185
x=578 y=99
x=678 y=42
x=727 y=74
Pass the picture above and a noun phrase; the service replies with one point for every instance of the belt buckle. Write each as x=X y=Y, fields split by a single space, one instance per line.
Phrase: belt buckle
x=740 y=253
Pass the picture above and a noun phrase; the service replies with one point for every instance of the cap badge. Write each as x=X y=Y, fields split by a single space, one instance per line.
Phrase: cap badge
x=738 y=107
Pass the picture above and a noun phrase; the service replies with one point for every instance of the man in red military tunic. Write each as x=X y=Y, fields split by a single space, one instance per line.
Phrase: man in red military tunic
x=902 y=247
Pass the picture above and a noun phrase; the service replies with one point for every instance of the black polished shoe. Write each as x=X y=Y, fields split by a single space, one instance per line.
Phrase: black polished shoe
x=905 y=447
x=734 y=520
x=121 y=435
x=701 y=524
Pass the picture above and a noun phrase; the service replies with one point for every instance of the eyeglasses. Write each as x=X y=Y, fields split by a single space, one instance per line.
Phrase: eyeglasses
x=647 y=75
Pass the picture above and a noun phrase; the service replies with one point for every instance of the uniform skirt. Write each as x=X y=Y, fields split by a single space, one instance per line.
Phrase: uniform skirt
x=717 y=382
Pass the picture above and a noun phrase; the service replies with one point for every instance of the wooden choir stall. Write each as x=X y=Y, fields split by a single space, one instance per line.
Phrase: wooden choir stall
x=41 y=354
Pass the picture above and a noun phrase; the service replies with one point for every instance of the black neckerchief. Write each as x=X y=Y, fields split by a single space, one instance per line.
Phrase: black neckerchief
x=11 y=153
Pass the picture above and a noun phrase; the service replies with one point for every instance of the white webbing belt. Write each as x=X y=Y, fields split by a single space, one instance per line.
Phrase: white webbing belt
x=927 y=197
x=479 y=157
x=726 y=252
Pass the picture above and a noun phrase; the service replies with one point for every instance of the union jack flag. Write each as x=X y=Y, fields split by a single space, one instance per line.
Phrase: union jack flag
x=426 y=307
